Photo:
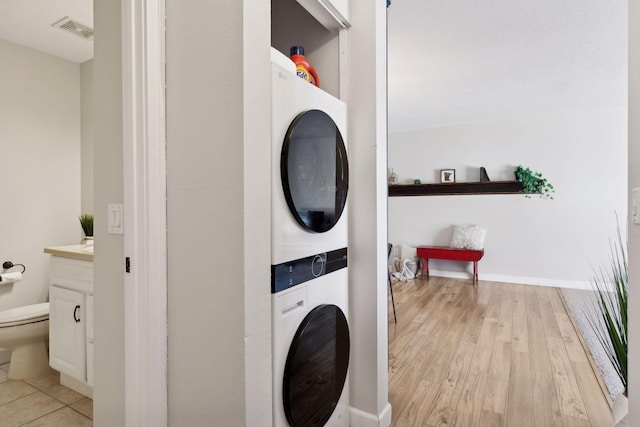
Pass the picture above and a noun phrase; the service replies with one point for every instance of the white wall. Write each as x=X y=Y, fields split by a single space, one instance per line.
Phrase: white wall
x=257 y=223
x=218 y=186
x=40 y=166
x=552 y=242
x=109 y=398
x=634 y=230
x=367 y=120
x=87 y=131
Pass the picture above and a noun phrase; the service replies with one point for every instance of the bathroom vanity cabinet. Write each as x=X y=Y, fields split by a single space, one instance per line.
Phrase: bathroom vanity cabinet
x=71 y=316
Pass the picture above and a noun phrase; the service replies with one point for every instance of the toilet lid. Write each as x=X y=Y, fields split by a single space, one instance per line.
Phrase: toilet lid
x=22 y=315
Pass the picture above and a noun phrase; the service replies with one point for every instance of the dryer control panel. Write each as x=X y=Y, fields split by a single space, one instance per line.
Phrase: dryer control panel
x=291 y=273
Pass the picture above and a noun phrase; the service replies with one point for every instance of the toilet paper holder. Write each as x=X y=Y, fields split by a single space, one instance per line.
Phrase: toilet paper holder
x=9 y=278
x=8 y=265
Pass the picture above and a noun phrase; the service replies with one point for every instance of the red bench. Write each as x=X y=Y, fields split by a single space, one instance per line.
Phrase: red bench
x=451 y=254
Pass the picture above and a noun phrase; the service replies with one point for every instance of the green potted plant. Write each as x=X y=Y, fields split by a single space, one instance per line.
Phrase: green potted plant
x=534 y=183
x=86 y=222
x=608 y=316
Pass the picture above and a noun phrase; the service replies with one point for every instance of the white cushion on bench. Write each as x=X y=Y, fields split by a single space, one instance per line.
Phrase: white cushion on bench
x=468 y=237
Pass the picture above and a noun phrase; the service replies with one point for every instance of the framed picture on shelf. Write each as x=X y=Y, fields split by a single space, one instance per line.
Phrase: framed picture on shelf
x=447 y=176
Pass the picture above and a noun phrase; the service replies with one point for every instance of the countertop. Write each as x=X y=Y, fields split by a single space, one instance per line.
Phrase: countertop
x=80 y=252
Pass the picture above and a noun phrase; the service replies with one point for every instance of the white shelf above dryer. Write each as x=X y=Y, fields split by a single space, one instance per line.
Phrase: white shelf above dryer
x=332 y=14
x=298 y=23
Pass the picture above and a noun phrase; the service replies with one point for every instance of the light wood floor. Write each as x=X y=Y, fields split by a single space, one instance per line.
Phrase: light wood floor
x=501 y=355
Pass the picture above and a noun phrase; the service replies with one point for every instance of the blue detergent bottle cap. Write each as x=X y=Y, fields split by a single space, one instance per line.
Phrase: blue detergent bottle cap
x=296 y=50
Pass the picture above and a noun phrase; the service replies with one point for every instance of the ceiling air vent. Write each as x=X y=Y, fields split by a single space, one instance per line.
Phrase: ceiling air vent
x=74 y=27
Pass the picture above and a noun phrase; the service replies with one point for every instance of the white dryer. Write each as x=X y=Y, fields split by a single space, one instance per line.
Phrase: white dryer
x=309 y=278
x=310 y=169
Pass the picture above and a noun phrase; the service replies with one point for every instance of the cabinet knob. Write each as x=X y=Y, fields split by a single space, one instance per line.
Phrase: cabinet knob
x=75 y=314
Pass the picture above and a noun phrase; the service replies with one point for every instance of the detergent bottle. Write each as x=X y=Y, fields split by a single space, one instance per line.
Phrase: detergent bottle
x=304 y=70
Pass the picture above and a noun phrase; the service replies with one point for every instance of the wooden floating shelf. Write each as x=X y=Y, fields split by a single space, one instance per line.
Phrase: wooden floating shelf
x=456 y=188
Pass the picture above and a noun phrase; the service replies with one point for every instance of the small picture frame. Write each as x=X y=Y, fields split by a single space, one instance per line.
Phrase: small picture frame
x=447 y=176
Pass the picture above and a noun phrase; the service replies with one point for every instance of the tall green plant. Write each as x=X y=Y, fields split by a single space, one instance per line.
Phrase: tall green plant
x=609 y=319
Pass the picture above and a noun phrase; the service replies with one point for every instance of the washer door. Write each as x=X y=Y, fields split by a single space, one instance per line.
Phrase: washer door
x=316 y=367
x=314 y=171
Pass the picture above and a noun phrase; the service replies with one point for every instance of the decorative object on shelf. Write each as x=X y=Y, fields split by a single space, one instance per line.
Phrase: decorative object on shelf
x=484 y=177
x=304 y=70
x=447 y=175
x=608 y=319
x=417 y=181
x=393 y=178
x=534 y=183
x=86 y=222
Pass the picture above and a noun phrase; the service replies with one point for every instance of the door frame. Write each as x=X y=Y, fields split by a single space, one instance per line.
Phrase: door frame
x=145 y=237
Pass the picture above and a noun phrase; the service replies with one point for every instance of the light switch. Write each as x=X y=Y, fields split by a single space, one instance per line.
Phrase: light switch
x=635 y=206
x=115 y=219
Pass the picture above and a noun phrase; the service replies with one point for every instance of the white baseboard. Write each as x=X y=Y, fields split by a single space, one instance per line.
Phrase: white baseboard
x=535 y=281
x=385 y=416
x=358 y=418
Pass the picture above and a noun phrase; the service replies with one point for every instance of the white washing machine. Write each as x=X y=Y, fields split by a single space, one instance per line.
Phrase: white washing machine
x=311 y=348
x=309 y=278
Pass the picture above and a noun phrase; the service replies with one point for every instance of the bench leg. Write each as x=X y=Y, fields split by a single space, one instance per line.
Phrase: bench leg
x=425 y=267
x=475 y=273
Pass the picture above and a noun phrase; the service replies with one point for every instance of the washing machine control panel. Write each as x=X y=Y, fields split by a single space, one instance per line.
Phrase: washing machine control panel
x=291 y=273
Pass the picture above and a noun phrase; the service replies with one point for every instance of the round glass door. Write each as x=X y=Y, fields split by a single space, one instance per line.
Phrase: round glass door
x=316 y=367
x=314 y=171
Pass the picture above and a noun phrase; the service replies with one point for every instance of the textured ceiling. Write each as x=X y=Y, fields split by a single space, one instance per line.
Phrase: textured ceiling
x=28 y=23
x=459 y=61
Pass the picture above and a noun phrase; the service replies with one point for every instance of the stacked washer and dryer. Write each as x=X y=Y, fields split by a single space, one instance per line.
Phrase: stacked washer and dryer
x=309 y=280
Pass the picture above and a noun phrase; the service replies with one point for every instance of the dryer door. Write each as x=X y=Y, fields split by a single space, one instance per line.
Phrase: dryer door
x=314 y=171
x=316 y=367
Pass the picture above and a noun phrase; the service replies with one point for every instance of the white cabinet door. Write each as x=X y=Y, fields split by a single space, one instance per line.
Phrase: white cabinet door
x=67 y=340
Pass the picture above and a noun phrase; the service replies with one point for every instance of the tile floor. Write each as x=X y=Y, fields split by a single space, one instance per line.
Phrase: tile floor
x=42 y=402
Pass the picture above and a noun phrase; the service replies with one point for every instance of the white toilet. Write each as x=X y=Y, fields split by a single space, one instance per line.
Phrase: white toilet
x=24 y=332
